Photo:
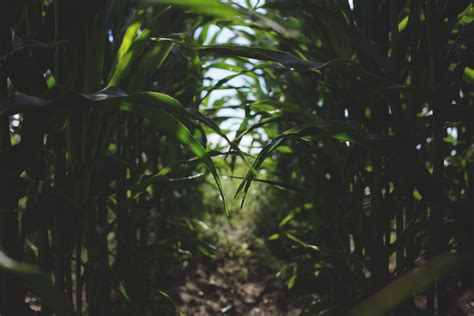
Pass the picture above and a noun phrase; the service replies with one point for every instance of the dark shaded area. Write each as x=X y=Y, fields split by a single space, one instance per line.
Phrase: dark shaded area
x=303 y=157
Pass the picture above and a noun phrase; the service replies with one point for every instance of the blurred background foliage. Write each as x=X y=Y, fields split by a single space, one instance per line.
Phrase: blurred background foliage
x=343 y=128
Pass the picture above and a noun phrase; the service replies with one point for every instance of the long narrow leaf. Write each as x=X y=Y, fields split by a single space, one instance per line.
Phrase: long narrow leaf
x=160 y=109
x=40 y=283
x=208 y=7
x=399 y=290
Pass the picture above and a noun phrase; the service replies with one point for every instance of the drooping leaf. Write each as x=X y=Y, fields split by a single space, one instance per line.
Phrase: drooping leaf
x=160 y=109
x=292 y=281
x=284 y=58
x=171 y=126
x=208 y=7
x=289 y=61
x=339 y=130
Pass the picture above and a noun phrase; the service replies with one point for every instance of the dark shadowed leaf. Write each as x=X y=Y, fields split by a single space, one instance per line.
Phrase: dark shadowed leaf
x=208 y=7
x=339 y=130
x=160 y=109
x=40 y=283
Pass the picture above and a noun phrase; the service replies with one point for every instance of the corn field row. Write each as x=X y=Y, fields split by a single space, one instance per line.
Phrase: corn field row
x=356 y=118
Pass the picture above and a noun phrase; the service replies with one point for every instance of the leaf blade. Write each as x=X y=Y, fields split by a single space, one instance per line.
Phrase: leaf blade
x=207 y=7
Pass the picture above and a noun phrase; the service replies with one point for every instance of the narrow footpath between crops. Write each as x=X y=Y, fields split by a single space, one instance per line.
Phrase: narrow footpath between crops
x=240 y=280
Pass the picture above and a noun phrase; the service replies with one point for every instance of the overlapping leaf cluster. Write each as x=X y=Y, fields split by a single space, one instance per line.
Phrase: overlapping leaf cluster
x=377 y=134
x=362 y=112
x=99 y=161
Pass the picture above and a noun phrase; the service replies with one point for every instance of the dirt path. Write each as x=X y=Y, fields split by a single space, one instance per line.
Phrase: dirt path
x=240 y=284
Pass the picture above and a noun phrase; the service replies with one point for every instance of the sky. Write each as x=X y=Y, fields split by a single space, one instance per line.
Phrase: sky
x=217 y=74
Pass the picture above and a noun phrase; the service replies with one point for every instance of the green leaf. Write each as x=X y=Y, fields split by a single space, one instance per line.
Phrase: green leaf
x=148 y=106
x=124 y=62
x=340 y=130
x=129 y=37
x=149 y=63
x=411 y=282
x=123 y=292
x=20 y=103
x=469 y=75
x=207 y=7
x=171 y=126
x=264 y=153
x=284 y=58
x=288 y=218
x=292 y=281
x=274 y=237
x=40 y=283
x=403 y=24
x=164 y=294
x=301 y=243
x=416 y=195
x=133 y=44
x=160 y=109
x=467 y=16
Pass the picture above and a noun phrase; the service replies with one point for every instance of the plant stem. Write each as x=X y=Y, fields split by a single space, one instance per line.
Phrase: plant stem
x=437 y=135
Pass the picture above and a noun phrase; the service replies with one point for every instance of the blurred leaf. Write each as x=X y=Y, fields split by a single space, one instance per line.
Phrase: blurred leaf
x=164 y=294
x=469 y=75
x=274 y=237
x=292 y=281
x=40 y=283
x=123 y=292
x=288 y=218
x=467 y=16
x=300 y=242
x=403 y=24
x=411 y=282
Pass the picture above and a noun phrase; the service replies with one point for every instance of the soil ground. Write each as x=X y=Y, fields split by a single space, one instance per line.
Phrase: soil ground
x=234 y=283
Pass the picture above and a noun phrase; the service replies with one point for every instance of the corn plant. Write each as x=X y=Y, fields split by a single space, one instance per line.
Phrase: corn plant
x=88 y=157
x=376 y=122
x=368 y=108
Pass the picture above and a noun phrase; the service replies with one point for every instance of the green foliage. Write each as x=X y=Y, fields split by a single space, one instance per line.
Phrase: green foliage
x=369 y=138
x=209 y=7
x=413 y=281
x=354 y=124
x=39 y=282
